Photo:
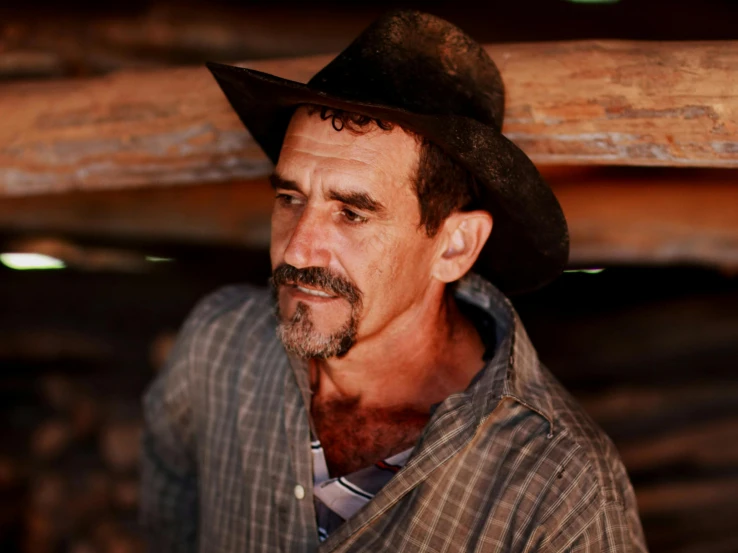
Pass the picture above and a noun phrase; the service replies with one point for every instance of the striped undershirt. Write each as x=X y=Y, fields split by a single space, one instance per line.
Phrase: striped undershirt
x=337 y=499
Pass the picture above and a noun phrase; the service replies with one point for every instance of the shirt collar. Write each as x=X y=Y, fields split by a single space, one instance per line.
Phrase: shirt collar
x=514 y=370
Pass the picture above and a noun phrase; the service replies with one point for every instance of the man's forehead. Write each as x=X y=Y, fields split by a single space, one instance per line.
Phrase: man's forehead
x=376 y=156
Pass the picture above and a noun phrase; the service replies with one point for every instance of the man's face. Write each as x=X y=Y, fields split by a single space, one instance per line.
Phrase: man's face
x=349 y=258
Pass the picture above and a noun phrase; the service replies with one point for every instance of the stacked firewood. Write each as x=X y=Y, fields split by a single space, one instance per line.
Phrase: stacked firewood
x=78 y=478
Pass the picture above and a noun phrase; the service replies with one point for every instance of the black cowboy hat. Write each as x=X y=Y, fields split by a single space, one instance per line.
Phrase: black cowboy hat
x=428 y=76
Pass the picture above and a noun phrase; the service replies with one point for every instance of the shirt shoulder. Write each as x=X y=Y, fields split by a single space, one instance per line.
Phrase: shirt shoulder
x=591 y=475
x=234 y=309
x=224 y=334
x=591 y=446
x=233 y=299
x=216 y=325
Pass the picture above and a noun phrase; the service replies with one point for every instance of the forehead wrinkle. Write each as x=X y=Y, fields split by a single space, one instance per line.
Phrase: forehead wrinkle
x=364 y=184
x=376 y=149
x=385 y=159
x=374 y=176
x=328 y=156
x=337 y=151
x=379 y=155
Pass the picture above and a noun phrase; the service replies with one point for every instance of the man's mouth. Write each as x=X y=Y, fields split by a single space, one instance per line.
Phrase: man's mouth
x=316 y=285
x=313 y=292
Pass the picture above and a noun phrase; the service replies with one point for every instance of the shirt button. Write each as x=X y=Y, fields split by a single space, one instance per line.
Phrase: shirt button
x=299 y=492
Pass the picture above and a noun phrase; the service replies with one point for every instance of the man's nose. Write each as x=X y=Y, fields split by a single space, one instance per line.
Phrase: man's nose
x=307 y=246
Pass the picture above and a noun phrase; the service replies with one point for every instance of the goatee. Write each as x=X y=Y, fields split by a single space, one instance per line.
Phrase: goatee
x=298 y=334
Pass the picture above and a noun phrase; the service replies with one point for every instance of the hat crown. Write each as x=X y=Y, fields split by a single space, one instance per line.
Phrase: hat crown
x=419 y=63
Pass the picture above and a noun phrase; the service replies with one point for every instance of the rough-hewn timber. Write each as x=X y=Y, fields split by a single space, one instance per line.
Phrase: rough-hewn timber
x=615 y=216
x=591 y=102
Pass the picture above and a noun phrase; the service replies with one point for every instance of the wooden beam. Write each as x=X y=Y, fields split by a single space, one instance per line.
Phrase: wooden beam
x=688 y=496
x=616 y=216
x=694 y=400
x=231 y=213
x=651 y=216
x=80 y=42
x=592 y=102
x=713 y=443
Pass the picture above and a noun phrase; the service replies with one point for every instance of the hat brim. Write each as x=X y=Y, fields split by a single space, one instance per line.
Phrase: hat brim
x=529 y=244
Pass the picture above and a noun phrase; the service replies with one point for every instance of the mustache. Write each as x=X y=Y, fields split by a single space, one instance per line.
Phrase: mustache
x=317 y=277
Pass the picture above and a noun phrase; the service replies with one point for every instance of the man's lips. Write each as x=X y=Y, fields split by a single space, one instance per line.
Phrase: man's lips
x=314 y=292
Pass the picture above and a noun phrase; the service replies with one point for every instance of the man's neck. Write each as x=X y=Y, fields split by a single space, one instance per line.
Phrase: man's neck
x=425 y=355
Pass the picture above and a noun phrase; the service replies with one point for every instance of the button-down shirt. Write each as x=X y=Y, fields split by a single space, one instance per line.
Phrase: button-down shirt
x=339 y=498
x=511 y=464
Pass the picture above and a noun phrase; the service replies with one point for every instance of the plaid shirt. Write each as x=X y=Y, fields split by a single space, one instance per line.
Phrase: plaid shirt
x=512 y=464
x=337 y=499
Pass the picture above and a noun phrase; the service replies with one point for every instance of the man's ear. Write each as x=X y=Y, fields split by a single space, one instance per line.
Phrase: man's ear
x=463 y=236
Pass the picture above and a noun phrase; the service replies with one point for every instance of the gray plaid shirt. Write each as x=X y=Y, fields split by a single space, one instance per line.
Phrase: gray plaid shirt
x=512 y=464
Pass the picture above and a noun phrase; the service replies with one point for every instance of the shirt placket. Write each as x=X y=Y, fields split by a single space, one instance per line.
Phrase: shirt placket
x=297 y=429
x=451 y=428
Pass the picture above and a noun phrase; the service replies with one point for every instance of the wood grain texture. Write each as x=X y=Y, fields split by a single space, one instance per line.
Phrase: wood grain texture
x=80 y=42
x=615 y=216
x=623 y=103
x=591 y=102
x=686 y=497
x=651 y=216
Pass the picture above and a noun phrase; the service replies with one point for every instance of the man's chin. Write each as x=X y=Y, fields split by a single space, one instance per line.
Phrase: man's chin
x=304 y=334
x=315 y=346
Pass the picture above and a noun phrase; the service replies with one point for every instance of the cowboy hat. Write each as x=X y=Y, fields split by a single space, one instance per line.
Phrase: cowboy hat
x=428 y=76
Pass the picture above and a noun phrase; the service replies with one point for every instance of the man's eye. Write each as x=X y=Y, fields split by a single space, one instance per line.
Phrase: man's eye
x=287 y=199
x=353 y=217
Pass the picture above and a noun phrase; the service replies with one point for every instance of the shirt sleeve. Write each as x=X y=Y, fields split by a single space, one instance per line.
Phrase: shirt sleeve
x=169 y=490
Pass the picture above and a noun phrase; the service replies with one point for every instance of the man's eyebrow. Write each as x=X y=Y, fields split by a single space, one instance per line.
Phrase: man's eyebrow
x=278 y=182
x=359 y=200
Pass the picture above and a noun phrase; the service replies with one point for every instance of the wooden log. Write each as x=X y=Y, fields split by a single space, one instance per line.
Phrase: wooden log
x=672 y=342
x=48 y=492
x=160 y=349
x=30 y=63
x=642 y=402
x=58 y=391
x=10 y=473
x=49 y=344
x=156 y=32
x=91 y=497
x=635 y=216
x=711 y=444
x=593 y=102
x=120 y=445
x=650 y=217
x=84 y=417
x=41 y=533
x=82 y=547
x=654 y=425
x=709 y=530
x=126 y=494
x=80 y=42
x=233 y=213
x=687 y=496
x=51 y=439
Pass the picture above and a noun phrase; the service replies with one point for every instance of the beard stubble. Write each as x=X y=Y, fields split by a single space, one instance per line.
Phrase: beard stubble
x=298 y=333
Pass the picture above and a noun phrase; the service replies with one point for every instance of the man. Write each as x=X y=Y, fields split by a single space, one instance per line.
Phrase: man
x=393 y=402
